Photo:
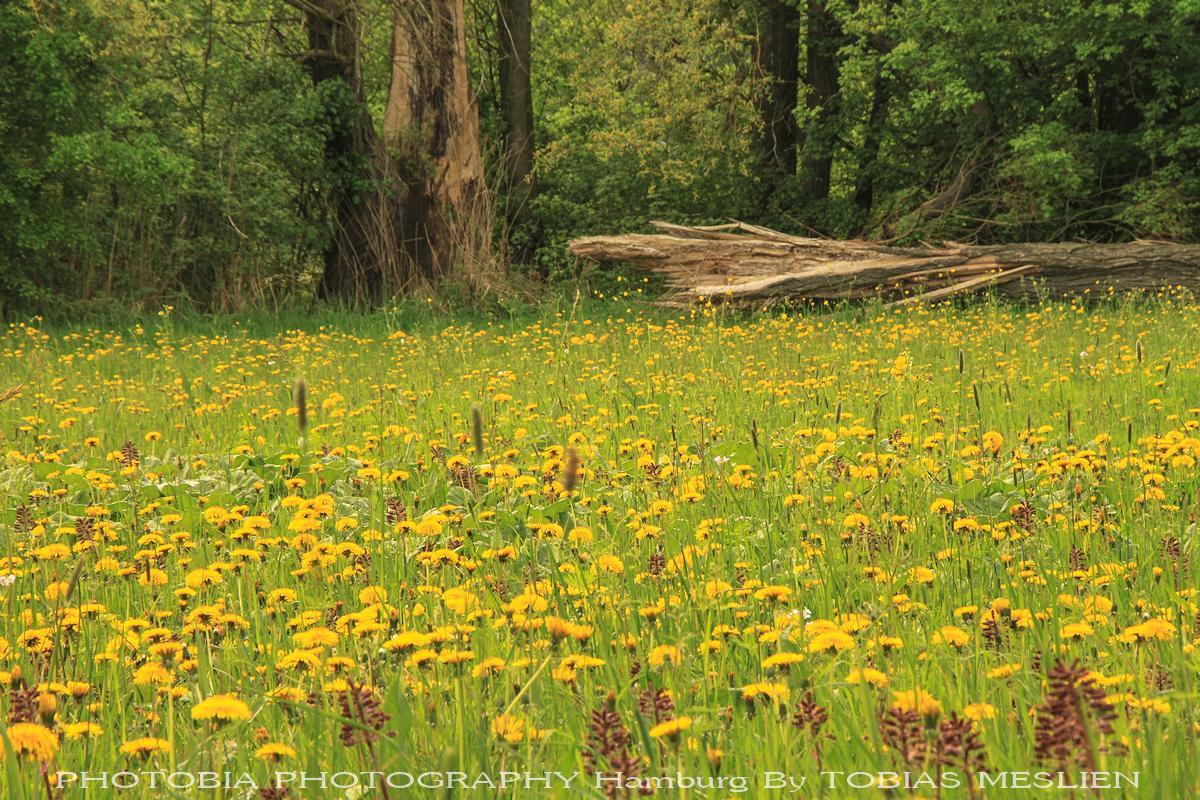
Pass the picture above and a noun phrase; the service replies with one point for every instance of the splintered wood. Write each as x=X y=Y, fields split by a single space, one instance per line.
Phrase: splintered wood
x=749 y=266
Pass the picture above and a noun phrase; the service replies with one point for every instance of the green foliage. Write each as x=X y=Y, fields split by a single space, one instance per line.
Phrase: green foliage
x=176 y=151
x=47 y=78
x=1083 y=114
x=156 y=161
x=766 y=507
x=645 y=112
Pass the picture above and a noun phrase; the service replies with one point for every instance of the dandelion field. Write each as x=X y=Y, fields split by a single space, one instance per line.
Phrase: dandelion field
x=930 y=541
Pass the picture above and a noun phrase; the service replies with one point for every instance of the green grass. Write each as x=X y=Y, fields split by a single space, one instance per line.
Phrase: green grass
x=844 y=487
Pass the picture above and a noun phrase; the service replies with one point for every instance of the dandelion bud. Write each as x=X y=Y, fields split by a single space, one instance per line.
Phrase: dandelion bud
x=47 y=708
x=15 y=680
x=477 y=428
x=302 y=404
x=930 y=710
x=74 y=581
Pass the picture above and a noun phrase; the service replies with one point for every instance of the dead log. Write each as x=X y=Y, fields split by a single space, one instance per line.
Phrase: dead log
x=746 y=265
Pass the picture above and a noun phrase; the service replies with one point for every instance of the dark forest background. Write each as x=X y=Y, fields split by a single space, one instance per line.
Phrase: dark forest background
x=224 y=156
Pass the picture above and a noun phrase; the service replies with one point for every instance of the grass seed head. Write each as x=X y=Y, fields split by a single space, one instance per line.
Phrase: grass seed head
x=477 y=428
x=302 y=404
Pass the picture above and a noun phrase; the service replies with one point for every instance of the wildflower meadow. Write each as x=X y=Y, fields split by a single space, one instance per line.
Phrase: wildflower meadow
x=605 y=552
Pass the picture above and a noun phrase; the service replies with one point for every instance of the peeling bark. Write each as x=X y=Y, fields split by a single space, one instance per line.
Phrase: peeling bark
x=431 y=128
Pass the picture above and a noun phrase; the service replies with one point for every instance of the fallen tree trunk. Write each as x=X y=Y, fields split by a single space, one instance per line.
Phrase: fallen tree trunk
x=747 y=265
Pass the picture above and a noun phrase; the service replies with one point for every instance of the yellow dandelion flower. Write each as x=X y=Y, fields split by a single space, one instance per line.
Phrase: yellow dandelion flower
x=774 y=691
x=917 y=700
x=274 y=752
x=869 y=675
x=671 y=728
x=1076 y=631
x=774 y=594
x=664 y=653
x=489 y=666
x=978 y=711
x=782 y=661
x=955 y=637
x=455 y=656
x=221 y=709
x=610 y=564
x=31 y=742
x=145 y=747
x=152 y=673
x=82 y=730
x=831 y=642
x=509 y=728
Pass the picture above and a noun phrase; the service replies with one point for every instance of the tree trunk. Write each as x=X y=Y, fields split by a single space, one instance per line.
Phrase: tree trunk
x=745 y=264
x=514 y=26
x=864 y=191
x=777 y=61
x=823 y=73
x=352 y=269
x=431 y=127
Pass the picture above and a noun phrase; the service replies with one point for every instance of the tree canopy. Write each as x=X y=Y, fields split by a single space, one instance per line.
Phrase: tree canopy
x=187 y=150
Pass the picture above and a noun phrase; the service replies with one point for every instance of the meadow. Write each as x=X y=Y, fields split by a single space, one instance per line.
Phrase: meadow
x=858 y=553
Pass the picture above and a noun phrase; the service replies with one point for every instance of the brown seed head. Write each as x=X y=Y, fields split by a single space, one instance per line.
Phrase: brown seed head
x=302 y=404
x=571 y=470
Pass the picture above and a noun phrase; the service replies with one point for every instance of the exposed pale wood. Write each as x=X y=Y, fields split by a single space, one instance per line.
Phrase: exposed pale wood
x=966 y=286
x=746 y=264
